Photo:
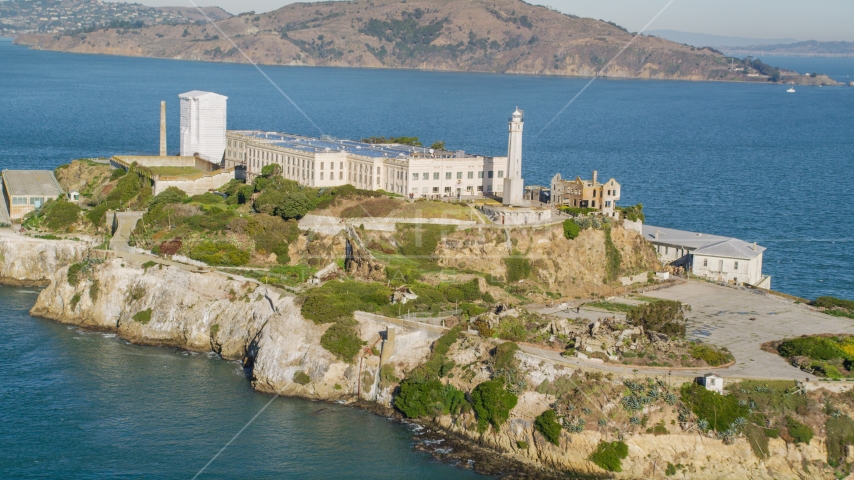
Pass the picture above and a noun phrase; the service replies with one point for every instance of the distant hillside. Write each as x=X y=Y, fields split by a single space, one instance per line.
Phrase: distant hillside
x=810 y=48
x=717 y=41
x=214 y=13
x=507 y=36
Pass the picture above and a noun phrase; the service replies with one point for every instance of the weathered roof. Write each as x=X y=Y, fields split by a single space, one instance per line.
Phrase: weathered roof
x=702 y=243
x=198 y=94
x=732 y=248
x=32 y=183
x=680 y=238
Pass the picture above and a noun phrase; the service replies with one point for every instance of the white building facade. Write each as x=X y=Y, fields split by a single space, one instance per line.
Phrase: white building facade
x=203 y=125
x=401 y=169
x=714 y=257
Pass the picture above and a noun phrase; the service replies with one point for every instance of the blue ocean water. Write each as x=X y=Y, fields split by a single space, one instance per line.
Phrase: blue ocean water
x=77 y=405
x=743 y=160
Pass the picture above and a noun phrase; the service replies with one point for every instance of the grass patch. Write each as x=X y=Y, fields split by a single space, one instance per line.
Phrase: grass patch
x=719 y=411
x=419 y=242
x=613 y=259
x=219 y=254
x=800 y=432
x=74 y=301
x=143 y=317
x=518 y=267
x=840 y=435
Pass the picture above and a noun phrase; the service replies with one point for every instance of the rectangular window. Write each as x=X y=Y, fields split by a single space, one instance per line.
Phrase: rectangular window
x=415 y=176
x=447 y=175
x=459 y=175
x=321 y=175
x=491 y=173
x=501 y=174
x=470 y=175
x=480 y=174
x=736 y=265
x=435 y=189
x=705 y=262
x=436 y=176
x=480 y=188
x=321 y=165
x=341 y=175
x=447 y=189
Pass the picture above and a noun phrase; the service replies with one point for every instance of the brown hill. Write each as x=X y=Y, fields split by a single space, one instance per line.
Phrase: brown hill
x=507 y=36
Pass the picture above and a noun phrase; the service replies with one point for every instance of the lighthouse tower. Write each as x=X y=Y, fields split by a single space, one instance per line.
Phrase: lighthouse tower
x=514 y=185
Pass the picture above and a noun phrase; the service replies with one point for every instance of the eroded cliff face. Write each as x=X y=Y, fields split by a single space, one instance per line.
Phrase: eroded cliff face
x=569 y=267
x=26 y=261
x=241 y=320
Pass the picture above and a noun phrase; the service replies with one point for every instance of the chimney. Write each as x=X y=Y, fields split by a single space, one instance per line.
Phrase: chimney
x=754 y=246
x=595 y=177
x=163 y=129
x=656 y=234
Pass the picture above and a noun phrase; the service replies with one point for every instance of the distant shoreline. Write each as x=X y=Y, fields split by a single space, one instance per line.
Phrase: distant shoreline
x=546 y=75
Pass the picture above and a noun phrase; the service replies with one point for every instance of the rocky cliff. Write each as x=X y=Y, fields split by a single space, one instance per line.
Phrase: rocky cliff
x=26 y=261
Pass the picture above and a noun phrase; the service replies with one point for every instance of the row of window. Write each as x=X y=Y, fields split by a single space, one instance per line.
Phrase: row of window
x=21 y=201
x=449 y=175
x=720 y=264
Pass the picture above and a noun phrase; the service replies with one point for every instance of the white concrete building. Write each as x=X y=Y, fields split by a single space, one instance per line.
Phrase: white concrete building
x=203 y=125
x=714 y=257
x=712 y=383
x=410 y=171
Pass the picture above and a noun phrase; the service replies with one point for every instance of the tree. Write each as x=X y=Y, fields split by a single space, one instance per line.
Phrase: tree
x=271 y=170
x=571 y=229
x=438 y=145
x=293 y=205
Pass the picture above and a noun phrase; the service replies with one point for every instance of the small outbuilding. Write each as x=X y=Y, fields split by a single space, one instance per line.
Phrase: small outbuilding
x=27 y=190
x=712 y=383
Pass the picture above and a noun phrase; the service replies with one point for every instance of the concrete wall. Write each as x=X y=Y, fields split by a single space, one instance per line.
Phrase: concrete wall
x=195 y=186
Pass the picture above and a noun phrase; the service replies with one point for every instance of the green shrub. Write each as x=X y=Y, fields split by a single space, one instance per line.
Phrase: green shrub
x=60 y=215
x=301 y=378
x=94 y=290
x=419 y=397
x=219 y=253
x=143 y=317
x=817 y=348
x=492 y=404
x=710 y=355
x=613 y=259
x=518 y=267
x=571 y=230
x=338 y=300
x=135 y=292
x=665 y=317
x=632 y=213
x=117 y=174
x=720 y=411
x=670 y=470
x=800 y=432
x=547 y=424
x=74 y=301
x=128 y=187
x=840 y=435
x=505 y=355
x=341 y=340
x=208 y=198
x=576 y=212
x=74 y=272
x=609 y=455
x=400 y=275
x=171 y=195
x=833 y=302
x=522 y=445
x=96 y=215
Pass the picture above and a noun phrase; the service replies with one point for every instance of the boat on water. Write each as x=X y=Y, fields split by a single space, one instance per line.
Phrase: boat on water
x=791 y=89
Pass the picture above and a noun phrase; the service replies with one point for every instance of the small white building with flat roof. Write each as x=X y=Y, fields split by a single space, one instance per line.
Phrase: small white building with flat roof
x=718 y=258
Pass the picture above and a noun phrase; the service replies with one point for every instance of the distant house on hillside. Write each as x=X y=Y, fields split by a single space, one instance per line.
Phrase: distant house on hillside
x=714 y=257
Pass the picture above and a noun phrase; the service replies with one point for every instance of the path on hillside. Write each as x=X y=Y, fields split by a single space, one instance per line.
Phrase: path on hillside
x=124 y=224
